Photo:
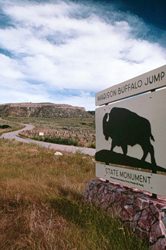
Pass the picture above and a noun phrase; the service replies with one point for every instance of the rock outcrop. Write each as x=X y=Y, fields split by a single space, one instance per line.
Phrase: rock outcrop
x=45 y=110
x=137 y=209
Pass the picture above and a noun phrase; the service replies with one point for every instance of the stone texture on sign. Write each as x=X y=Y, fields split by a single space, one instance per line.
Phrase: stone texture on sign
x=157 y=230
x=147 y=219
x=138 y=211
x=160 y=245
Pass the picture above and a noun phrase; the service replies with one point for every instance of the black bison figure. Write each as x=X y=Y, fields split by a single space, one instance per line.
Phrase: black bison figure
x=127 y=128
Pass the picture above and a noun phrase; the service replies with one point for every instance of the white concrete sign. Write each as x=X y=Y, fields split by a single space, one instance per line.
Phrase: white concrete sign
x=153 y=183
x=132 y=132
x=140 y=84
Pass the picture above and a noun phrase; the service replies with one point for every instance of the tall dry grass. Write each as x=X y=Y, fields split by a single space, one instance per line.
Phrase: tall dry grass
x=41 y=204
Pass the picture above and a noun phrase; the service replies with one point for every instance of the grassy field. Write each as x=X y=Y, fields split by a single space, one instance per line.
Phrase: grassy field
x=76 y=130
x=70 y=124
x=41 y=204
x=13 y=126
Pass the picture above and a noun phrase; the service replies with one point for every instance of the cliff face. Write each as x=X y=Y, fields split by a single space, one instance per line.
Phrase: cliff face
x=47 y=110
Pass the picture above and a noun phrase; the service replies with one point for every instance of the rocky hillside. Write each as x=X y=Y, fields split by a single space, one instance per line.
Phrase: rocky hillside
x=47 y=110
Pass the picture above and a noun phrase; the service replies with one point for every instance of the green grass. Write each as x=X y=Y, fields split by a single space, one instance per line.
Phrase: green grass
x=41 y=204
x=79 y=131
x=13 y=126
x=56 y=140
x=68 y=124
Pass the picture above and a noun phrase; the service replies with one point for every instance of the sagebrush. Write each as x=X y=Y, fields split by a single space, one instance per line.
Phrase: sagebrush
x=41 y=203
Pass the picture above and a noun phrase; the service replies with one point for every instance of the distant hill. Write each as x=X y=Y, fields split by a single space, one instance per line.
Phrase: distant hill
x=47 y=110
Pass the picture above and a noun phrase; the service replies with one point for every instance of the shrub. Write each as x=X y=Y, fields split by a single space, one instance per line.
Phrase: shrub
x=64 y=141
x=92 y=145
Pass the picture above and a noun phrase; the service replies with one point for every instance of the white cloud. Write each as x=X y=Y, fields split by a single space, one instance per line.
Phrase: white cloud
x=9 y=68
x=52 y=48
x=82 y=99
x=20 y=96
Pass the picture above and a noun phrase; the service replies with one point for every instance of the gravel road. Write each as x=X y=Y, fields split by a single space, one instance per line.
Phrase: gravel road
x=15 y=135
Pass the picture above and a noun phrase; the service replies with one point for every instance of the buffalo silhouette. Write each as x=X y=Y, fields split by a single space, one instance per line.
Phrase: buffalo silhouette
x=125 y=128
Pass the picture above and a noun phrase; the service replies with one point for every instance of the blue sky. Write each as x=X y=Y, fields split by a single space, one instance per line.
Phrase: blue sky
x=66 y=51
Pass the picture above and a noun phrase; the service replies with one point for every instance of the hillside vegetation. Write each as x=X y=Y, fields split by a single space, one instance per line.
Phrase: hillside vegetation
x=70 y=124
x=71 y=131
x=41 y=204
x=44 y=110
x=7 y=126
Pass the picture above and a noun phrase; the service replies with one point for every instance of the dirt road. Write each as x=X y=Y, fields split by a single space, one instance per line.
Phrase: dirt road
x=15 y=135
